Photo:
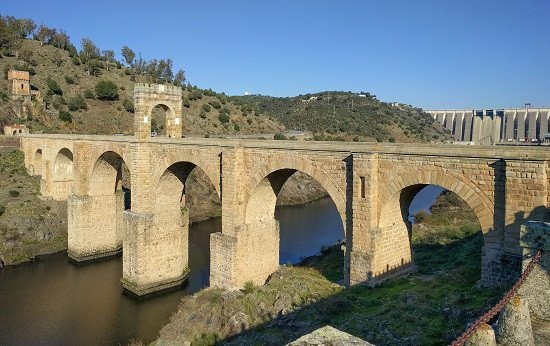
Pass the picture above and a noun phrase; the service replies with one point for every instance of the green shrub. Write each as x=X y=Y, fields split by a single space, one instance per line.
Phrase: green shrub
x=279 y=136
x=65 y=116
x=77 y=102
x=206 y=107
x=70 y=80
x=224 y=117
x=53 y=86
x=186 y=102
x=4 y=96
x=207 y=339
x=106 y=90
x=236 y=127
x=195 y=95
x=89 y=94
x=215 y=104
x=202 y=114
x=249 y=287
x=128 y=104
x=14 y=193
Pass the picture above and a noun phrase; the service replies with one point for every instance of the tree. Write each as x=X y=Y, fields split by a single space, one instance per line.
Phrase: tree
x=106 y=90
x=44 y=34
x=54 y=87
x=93 y=67
x=109 y=56
x=89 y=49
x=166 y=73
x=179 y=78
x=128 y=55
x=60 y=39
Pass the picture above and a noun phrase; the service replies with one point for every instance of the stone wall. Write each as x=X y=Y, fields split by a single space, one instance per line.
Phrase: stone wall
x=371 y=185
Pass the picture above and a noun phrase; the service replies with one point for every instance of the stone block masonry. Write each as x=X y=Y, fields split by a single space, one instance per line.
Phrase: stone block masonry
x=371 y=184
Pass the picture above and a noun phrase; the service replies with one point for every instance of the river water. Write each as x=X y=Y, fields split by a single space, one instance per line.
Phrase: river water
x=51 y=301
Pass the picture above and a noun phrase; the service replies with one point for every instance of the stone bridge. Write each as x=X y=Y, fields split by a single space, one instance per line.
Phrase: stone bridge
x=372 y=186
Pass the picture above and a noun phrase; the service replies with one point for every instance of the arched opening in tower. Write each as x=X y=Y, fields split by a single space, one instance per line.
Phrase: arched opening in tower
x=159 y=114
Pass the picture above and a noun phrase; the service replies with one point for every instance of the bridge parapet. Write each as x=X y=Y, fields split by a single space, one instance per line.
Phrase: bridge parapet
x=157 y=88
x=371 y=185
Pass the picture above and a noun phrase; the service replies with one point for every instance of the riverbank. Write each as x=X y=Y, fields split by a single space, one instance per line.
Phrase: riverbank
x=430 y=306
x=29 y=225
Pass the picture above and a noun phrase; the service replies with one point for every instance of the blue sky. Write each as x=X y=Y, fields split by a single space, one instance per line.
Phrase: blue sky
x=431 y=54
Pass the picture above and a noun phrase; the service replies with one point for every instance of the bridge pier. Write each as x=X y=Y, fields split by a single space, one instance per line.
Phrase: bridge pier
x=251 y=255
x=95 y=226
x=155 y=252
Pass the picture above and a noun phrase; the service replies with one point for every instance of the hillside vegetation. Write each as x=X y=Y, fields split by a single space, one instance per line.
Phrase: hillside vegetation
x=334 y=115
x=29 y=225
x=90 y=92
x=432 y=306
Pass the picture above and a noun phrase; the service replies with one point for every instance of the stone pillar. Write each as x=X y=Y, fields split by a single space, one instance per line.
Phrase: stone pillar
x=449 y=121
x=521 y=125
x=142 y=118
x=477 y=123
x=520 y=195
x=483 y=336
x=510 y=118
x=535 y=236
x=468 y=118
x=174 y=121
x=532 y=114
x=155 y=255
x=363 y=205
x=244 y=251
x=514 y=324
x=543 y=118
x=155 y=252
x=458 y=126
x=95 y=226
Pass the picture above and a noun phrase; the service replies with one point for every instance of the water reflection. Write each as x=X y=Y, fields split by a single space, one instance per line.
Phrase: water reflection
x=424 y=199
x=54 y=302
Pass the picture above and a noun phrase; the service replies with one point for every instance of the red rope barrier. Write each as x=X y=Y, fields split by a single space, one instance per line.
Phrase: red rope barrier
x=498 y=307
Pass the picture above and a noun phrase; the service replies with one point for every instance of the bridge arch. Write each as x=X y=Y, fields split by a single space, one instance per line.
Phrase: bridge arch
x=96 y=224
x=107 y=174
x=262 y=240
x=63 y=166
x=278 y=170
x=392 y=246
x=473 y=196
x=37 y=162
x=171 y=217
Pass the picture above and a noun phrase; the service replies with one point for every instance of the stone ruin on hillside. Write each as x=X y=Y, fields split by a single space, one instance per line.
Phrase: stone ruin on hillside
x=23 y=93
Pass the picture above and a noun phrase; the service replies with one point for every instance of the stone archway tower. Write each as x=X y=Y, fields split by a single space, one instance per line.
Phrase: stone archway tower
x=147 y=97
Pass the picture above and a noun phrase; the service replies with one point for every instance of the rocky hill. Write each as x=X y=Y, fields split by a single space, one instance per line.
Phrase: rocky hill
x=67 y=86
x=347 y=116
x=72 y=99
